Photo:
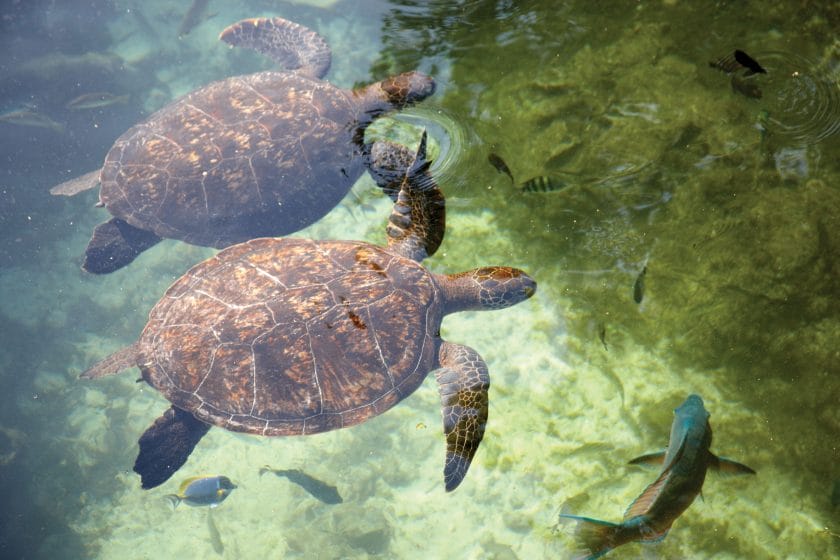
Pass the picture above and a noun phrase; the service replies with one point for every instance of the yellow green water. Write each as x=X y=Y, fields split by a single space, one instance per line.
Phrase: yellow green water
x=737 y=220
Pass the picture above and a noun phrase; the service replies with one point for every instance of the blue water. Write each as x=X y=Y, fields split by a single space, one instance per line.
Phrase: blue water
x=730 y=203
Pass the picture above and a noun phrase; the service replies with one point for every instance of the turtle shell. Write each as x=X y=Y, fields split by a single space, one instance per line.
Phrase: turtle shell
x=293 y=336
x=236 y=159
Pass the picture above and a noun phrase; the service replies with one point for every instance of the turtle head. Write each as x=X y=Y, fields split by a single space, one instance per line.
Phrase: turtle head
x=492 y=287
x=407 y=89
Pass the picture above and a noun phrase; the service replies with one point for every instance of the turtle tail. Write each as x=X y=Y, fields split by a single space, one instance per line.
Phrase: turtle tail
x=115 y=363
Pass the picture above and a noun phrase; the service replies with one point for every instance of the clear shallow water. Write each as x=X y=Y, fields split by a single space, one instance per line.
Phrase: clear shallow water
x=735 y=218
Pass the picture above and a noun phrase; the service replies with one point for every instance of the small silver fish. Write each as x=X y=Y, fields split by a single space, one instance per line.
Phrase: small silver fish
x=29 y=117
x=321 y=490
x=206 y=490
x=95 y=100
x=543 y=183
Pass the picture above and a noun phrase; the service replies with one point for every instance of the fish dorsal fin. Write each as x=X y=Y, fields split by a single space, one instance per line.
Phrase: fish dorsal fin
x=186 y=483
x=642 y=504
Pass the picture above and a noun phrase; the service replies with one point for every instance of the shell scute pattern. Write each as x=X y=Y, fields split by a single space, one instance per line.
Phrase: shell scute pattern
x=315 y=343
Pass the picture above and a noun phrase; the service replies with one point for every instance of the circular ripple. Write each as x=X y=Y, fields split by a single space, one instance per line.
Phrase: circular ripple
x=449 y=139
x=803 y=101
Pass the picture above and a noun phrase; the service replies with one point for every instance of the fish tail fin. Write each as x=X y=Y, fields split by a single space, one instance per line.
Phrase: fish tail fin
x=596 y=537
x=174 y=499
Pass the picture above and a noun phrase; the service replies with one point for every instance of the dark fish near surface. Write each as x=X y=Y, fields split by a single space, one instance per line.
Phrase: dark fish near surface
x=500 y=165
x=321 y=490
x=749 y=63
x=741 y=84
x=95 y=100
x=543 y=183
x=639 y=286
x=207 y=490
x=651 y=515
x=737 y=60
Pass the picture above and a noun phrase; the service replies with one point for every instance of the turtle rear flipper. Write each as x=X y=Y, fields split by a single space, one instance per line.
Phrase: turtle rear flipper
x=166 y=445
x=77 y=185
x=115 y=244
x=292 y=46
x=115 y=363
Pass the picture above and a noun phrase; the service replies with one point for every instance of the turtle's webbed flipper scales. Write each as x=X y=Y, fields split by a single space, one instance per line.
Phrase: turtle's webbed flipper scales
x=463 y=382
x=115 y=244
x=418 y=220
x=115 y=363
x=292 y=46
x=166 y=445
x=77 y=185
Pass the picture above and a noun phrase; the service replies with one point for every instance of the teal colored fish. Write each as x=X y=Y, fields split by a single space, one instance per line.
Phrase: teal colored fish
x=207 y=490
x=650 y=516
x=321 y=490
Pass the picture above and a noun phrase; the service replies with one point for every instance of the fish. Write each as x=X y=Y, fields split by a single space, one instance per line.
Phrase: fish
x=651 y=515
x=321 y=490
x=602 y=335
x=639 y=286
x=205 y=490
x=736 y=61
x=194 y=16
x=543 y=183
x=95 y=100
x=500 y=165
x=28 y=116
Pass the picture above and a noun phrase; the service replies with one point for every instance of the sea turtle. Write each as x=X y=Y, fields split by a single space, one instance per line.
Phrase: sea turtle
x=292 y=336
x=259 y=155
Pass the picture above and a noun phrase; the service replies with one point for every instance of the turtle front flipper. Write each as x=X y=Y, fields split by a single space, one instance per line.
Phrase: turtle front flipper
x=463 y=383
x=166 y=445
x=115 y=244
x=292 y=46
x=418 y=219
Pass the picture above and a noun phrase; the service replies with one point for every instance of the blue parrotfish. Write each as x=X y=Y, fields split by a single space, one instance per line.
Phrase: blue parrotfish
x=207 y=490
x=651 y=515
